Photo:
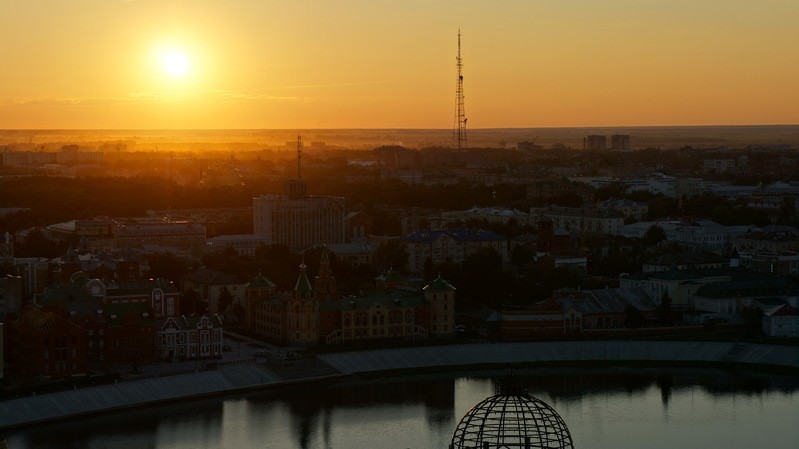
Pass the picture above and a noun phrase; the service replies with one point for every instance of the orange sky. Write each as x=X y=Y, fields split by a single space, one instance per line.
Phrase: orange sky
x=391 y=64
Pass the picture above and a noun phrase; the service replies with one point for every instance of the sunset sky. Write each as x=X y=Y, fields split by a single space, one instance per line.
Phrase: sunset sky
x=391 y=64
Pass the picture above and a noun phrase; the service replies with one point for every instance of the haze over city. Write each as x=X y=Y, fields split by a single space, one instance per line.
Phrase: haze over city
x=95 y=64
x=261 y=223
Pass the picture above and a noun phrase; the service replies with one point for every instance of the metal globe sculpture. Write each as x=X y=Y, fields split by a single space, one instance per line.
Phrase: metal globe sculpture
x=511 y=419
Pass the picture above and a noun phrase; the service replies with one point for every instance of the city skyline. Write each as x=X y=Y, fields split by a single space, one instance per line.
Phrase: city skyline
x=131 y=64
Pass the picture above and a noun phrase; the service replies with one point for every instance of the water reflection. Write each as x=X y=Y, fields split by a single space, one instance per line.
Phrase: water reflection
x=311 y=408
x=422 y=411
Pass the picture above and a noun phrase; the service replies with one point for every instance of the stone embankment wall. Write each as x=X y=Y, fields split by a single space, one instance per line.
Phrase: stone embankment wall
x=86 y=401
x=573 y=351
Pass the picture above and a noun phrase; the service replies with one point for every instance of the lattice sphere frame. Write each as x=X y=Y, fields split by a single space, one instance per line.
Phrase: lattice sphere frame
x=511 y=421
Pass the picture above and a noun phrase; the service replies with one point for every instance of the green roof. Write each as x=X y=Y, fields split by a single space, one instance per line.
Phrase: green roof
x=391 y=275
x=390 y=299
x=260 y=282
x=439 y=285
x=748 y=287
x=303 y=283
x=117 y=312
x=64 y=293
x=138 y=287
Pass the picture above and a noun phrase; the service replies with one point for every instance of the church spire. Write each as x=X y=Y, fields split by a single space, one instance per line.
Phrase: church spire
x=303 y=285
x=325 y=282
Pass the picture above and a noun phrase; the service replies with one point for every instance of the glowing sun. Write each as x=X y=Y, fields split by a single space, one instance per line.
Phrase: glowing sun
x=175 y=63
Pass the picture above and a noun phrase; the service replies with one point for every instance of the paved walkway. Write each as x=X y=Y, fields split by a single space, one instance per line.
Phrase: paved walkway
x=229 y=378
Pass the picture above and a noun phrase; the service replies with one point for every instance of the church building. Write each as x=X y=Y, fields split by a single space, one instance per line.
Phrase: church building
x=315 y=313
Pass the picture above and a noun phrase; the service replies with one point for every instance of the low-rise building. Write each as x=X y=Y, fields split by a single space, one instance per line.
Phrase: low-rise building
x=47 y=344
x=701 y=260
x=784 y=263
x=315 y=313
x=699 y=234
x=679 y=285
x=210 y=284
x=706 y=234
x=767 y=241
x=243 y=245
x=781 y=321
x=97 y=234
x=489 y=214
x=361 y=253
x=572 y=311
x=732 y=192
x=189 y=338
x=580 y=219
x=729 y=297
x=190 y=236
x=160 y=296
x=450 y=245
x=637 y=210
x=103 y=264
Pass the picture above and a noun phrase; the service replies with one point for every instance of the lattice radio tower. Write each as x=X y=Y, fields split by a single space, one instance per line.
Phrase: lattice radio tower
x=460 y=113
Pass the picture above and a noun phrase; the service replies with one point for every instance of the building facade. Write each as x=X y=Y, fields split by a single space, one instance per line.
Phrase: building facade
x=47 y=344
x=581 y=220
x=315 y=313
x=572 y=311
x=450 y=245
x=190 y=236
x=212 y=285
x=782 y=321
x=189 y=338
x=299 y=223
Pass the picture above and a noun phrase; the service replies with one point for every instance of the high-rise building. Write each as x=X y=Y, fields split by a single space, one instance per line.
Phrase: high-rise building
x=595 y=142
x=299 y=223
x=620 y=142
x=296 y=219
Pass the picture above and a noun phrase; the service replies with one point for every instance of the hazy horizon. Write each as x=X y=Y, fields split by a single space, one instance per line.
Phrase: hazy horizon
x=740 y=125
x=664 y=137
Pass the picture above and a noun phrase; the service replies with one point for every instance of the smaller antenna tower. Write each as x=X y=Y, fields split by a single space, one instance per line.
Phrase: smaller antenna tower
x=299 y=157
x=460 y=113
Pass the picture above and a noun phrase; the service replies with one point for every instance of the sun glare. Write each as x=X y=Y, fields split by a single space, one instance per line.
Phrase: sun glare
x=175 y=63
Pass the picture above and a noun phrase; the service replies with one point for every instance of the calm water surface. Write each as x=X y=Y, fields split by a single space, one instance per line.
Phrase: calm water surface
x=604 y=408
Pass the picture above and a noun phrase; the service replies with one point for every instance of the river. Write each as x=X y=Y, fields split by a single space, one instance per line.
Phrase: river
x=604 y=408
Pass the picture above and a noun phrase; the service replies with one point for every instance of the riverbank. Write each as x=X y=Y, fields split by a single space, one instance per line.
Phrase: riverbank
x=32 y=410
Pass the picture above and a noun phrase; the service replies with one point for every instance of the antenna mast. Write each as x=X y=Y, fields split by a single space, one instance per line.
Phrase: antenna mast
x=460 y=114
x=299 y=157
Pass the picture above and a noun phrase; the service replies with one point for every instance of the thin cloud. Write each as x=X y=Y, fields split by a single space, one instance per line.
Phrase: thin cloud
x=156 y=97
x=63 y=101
x=245 y=96
x=312 y=86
